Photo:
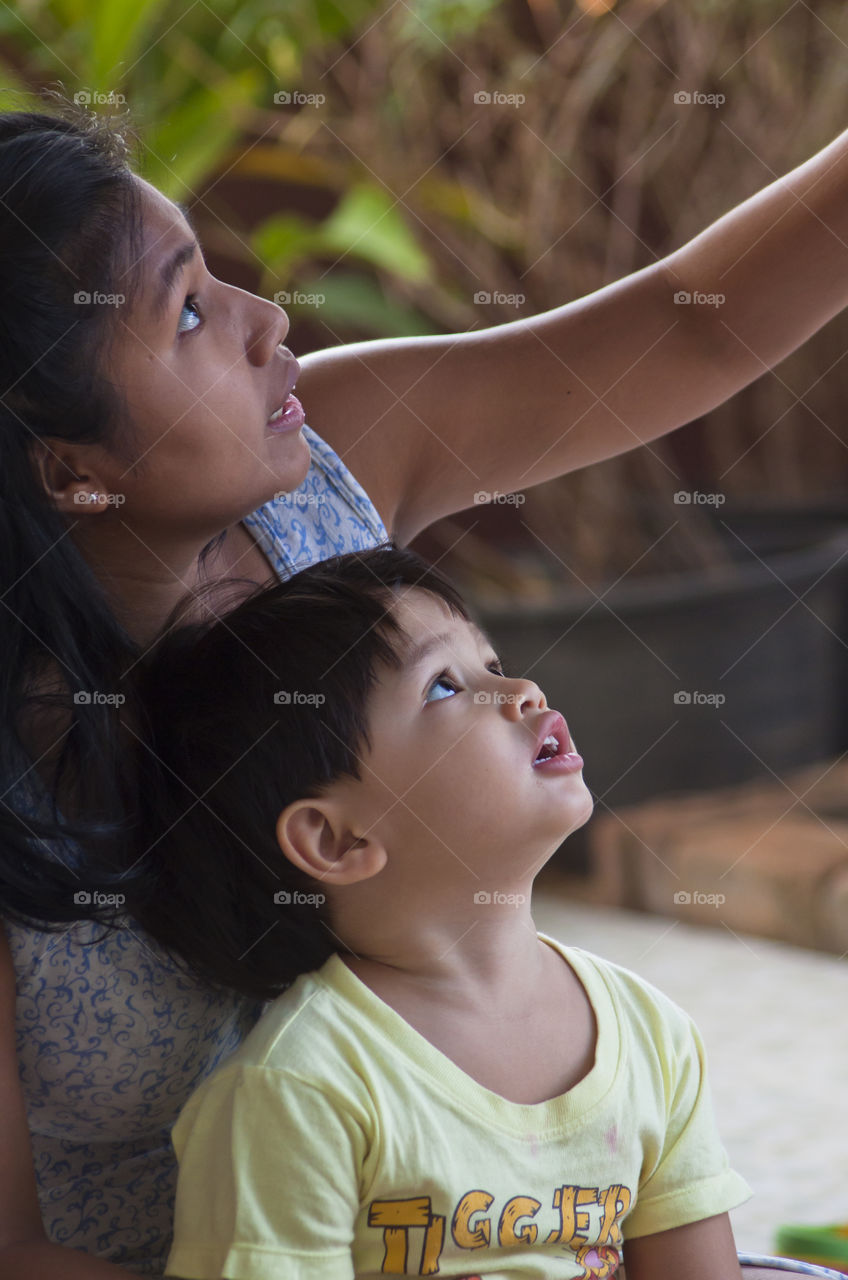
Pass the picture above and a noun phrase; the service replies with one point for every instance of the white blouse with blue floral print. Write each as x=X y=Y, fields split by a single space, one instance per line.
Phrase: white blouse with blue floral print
x=112 y=1039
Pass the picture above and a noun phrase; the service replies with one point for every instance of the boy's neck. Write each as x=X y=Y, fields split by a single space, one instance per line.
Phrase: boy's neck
x=501 y=1004
x=452 y=962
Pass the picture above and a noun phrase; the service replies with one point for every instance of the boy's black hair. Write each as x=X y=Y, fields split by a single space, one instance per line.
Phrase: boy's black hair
x=266 y=706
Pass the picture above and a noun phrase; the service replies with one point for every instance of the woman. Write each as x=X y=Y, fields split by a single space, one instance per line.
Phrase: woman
x=146 y=425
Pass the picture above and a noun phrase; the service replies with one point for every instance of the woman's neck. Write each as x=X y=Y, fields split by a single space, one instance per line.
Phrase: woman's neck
x=146 y=580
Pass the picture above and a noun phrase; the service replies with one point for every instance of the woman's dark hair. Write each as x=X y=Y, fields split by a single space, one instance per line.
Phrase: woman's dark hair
x=69 y=230
x=244 y=716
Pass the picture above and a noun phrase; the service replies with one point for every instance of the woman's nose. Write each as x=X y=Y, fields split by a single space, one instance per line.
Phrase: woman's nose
x=267 y=327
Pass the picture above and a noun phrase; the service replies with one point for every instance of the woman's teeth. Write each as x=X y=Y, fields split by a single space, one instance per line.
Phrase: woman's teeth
x=278 y=413
x=550 y=747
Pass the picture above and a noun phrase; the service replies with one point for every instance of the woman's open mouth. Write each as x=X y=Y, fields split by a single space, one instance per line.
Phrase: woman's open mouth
x=289 y=416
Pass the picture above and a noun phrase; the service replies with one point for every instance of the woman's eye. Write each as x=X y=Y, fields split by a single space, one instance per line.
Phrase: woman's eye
x=190 y=312
x=442 y=687
x=496 y=669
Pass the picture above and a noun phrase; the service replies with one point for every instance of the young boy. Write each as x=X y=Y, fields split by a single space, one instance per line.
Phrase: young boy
x=355 y=802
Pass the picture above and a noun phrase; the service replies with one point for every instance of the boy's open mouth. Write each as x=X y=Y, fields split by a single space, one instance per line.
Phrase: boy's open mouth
x=553 y=738
x=553 y=743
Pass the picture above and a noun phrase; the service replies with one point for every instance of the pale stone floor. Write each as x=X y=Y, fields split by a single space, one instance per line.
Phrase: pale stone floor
x=775 y=1023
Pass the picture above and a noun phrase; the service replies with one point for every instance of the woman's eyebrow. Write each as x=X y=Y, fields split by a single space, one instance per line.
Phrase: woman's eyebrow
x=169 y=270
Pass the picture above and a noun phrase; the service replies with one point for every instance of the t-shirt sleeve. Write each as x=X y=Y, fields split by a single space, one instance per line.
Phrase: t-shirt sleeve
x=686 y=1176
x=269 y=1180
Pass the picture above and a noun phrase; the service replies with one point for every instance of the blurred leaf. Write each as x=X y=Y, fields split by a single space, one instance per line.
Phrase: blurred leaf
x=189 y=140
x=281 y=240
x=118 y=30
x=357 y=302
x=367 y=222
x=440 y=22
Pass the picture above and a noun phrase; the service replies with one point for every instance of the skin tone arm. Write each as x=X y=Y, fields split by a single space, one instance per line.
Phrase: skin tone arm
x=424 y=423
x=25 y=1252
x=700 y=1251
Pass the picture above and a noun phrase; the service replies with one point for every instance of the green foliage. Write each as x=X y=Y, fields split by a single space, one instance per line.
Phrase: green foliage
x=199 y=81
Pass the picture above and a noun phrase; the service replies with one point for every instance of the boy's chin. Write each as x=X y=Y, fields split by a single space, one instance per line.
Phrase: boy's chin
x=579 y=812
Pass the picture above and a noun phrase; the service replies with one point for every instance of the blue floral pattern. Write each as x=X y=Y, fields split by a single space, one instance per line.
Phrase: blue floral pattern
x=112 y=1036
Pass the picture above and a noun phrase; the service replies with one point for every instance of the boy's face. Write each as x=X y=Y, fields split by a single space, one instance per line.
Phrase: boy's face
x=455 y=782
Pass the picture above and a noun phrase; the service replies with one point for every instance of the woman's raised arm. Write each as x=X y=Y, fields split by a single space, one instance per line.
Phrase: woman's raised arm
x=25 y=1251
x=425 y=423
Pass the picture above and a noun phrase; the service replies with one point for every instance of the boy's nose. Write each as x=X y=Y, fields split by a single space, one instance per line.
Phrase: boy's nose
x=526 y=696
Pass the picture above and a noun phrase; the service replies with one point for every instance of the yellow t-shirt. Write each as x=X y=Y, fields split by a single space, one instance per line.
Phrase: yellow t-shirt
x=337 y=1142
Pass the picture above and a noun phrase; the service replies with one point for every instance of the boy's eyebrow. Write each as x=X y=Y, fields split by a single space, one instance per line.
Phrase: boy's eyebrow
x=417 y=654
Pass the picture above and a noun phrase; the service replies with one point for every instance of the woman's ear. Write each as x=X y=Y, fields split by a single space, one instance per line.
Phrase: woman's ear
x=316 y=837
x=68 y=478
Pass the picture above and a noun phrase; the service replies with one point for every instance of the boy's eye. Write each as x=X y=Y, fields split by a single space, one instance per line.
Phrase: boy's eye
x=442 y=687
x=189 y=312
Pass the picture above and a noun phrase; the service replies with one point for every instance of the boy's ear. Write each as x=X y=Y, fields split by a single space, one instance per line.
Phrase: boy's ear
x=315 y=836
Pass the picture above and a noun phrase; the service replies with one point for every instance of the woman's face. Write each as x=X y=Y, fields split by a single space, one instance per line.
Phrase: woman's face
x=201 y=368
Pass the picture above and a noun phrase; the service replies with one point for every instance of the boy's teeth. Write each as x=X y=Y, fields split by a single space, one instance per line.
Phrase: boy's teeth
x=551 y=742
